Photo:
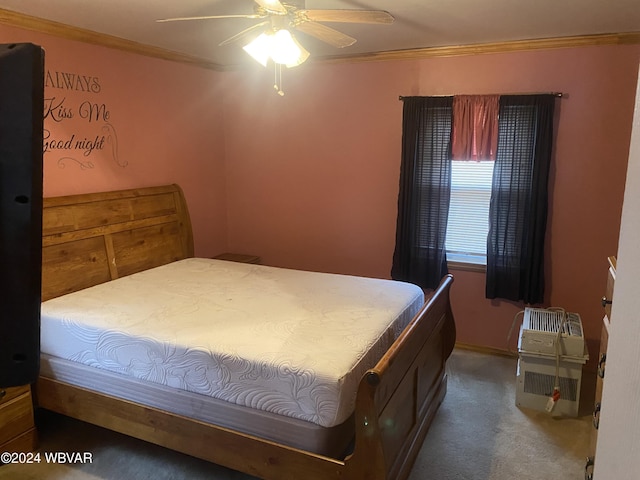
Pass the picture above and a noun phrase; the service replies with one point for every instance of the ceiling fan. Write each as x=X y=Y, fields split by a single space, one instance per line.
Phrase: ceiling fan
x=280 y=17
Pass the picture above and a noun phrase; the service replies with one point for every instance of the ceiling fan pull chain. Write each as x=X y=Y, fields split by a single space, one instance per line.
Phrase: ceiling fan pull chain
x=275 y=76
x=277 y=72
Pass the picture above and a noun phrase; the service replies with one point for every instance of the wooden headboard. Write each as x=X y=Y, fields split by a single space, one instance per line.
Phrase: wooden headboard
x=93 y=238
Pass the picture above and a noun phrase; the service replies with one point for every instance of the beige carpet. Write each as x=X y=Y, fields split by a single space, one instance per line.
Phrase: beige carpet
x=478 y=434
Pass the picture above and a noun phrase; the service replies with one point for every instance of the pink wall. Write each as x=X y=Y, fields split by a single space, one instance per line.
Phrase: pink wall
x=159 y=122
x=316 y=186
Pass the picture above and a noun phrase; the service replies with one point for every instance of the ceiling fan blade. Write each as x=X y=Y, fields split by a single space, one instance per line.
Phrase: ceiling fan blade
x=347 y=16
x=326 y=34
x=272 y=6
x=242 y=34
x=208 y=17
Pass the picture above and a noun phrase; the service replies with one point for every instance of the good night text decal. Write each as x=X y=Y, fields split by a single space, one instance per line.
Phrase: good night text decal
x=77 y=124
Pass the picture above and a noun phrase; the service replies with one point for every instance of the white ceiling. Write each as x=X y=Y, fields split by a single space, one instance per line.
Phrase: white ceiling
x=418 y=23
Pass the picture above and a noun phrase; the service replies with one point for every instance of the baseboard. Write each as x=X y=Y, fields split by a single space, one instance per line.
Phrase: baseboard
x=487 y=350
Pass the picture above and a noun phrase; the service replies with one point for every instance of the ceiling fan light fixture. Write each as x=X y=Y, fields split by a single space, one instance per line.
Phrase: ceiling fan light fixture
x=280 y=46
x=260 y=48
x=286 y=50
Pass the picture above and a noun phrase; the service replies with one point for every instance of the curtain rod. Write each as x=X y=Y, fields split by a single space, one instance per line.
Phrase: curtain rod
x=555 y=94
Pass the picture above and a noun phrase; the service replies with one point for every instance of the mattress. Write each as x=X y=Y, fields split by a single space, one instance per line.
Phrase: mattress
x=288 y=342
x=307 y=436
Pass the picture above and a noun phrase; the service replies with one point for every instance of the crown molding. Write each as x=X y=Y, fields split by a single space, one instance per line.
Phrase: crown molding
x=627 y=38
x=68 y=32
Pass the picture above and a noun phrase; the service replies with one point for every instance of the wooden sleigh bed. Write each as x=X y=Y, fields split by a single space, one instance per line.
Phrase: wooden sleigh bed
x=95 y=238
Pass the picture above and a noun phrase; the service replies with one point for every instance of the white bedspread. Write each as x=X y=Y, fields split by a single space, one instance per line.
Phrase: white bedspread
x=289 y=342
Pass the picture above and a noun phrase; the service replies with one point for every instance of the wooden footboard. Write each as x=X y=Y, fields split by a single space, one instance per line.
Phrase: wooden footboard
x=94 y=238
x=396 y=403
x=398 y=399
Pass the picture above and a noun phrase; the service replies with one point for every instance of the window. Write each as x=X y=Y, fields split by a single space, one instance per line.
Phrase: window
x=468 y=221
x=438 y=194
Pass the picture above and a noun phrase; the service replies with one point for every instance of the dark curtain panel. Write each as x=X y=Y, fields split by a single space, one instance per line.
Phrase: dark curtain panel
x=420 y=255
x=518 y=211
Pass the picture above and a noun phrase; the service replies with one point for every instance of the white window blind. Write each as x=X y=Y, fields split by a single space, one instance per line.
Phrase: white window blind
x=468 y=222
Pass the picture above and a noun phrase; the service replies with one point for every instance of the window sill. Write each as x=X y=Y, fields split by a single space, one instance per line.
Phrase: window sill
x=466 y=266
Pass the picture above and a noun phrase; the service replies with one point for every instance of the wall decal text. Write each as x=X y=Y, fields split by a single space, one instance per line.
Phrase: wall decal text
x=78 y=124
